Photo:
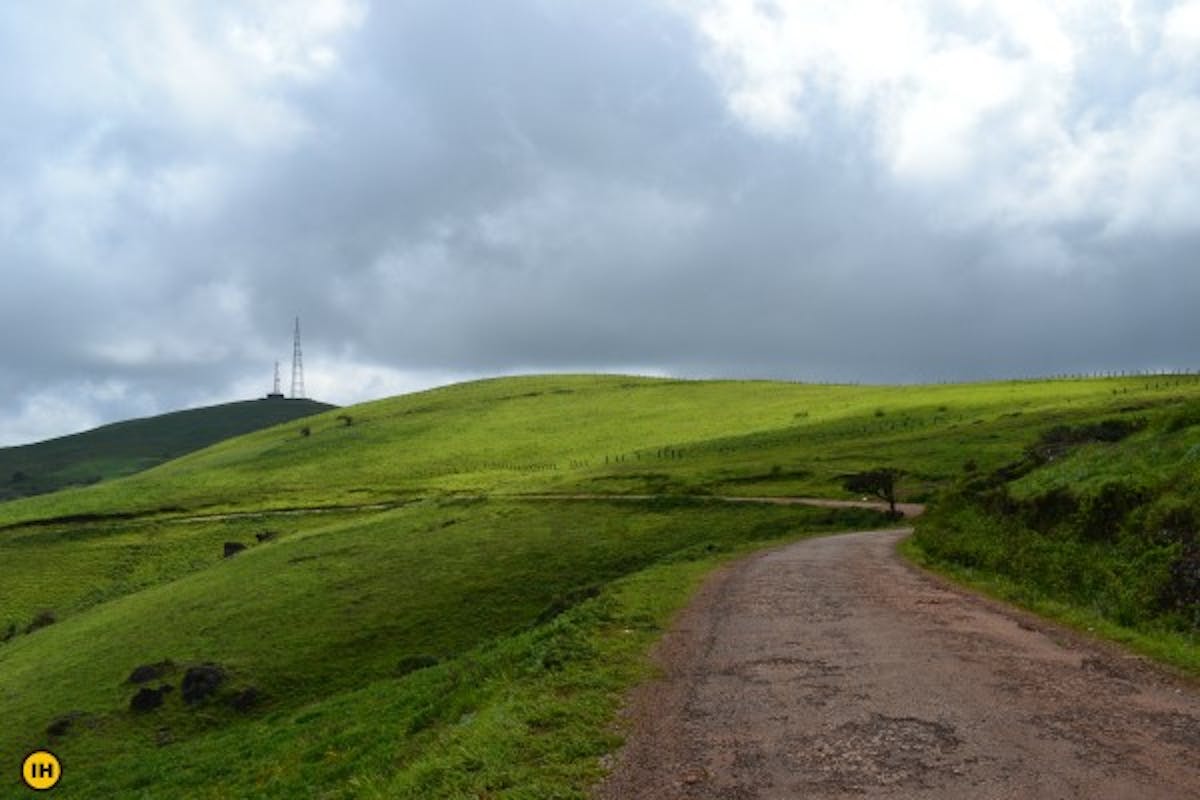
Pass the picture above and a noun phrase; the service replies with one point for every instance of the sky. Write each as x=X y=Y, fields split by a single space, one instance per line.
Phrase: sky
x=446 y=189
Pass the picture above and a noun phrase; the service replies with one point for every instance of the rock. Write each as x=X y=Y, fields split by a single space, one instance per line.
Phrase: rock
x=62 y=724
x=150 y=672
x=201 y=682
x=246 y=699
x=265 y=536
x=148 y=699
x=233 y=548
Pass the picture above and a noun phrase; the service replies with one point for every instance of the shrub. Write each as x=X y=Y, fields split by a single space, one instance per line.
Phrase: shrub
x=1185 y=417
x=1049 y=509
x=1172 y=523
x=41 y=619
x=1170 y=520
x=566 y=601
x=1102 y=515
x=1181 y=593
x=1058 y=440
x=879 y=482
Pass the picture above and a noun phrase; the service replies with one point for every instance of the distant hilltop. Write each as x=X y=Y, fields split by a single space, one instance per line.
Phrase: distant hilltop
x=123 y=448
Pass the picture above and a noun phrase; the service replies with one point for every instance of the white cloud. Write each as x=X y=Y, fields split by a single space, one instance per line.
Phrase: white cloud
x=69 y=407
x=1181 y=33
x=999 y=110
x=225 y=70
x=345 y=382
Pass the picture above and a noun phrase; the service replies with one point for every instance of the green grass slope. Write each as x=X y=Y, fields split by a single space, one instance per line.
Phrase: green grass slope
x=610 y=434
x=1098 y=524
x=418 y=620
x=123 y=448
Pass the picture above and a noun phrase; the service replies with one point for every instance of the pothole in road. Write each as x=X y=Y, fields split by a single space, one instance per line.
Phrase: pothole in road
x=881 y=751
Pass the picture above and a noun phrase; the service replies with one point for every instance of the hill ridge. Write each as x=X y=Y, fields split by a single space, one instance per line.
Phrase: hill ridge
x=126 y=447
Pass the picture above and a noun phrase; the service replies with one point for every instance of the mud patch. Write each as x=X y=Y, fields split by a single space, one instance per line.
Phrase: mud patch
x=879 y=751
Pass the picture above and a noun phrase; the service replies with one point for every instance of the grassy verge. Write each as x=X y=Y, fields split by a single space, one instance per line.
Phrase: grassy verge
x=1178 y=649
x=1096 y=525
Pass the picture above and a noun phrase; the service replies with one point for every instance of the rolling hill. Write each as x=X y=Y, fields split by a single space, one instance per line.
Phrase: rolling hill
x=445 y=594
x=123 y=448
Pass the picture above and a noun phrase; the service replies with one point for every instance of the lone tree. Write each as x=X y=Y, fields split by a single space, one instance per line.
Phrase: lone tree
x=880 y=482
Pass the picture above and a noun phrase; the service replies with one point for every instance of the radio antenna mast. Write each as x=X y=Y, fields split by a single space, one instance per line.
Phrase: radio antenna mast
x=297 y=366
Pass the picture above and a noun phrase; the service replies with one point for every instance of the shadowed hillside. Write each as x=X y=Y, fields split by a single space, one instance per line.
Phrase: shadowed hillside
x=123 y=448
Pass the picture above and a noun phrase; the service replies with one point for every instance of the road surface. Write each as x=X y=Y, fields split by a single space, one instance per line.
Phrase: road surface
x=831 y=668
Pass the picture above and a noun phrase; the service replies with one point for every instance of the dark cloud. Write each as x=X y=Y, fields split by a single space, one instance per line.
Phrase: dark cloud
x=451 y=189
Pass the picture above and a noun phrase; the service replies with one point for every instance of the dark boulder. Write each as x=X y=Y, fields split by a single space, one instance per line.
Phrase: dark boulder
x=265 y=536
x=60 y=725
x=148 y=699
x=233 y=548
x=150 y=672
x=246 y=699
x=199 y=683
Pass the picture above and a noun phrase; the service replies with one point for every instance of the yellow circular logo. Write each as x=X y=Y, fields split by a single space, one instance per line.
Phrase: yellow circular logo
x=41 y=770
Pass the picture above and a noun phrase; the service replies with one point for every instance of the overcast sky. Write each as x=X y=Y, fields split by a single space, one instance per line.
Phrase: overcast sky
x=445 y=189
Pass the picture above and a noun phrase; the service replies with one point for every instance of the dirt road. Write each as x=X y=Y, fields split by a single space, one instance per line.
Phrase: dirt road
x=830 y=668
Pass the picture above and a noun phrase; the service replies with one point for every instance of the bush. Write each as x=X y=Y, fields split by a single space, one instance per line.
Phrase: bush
x=1186 y=417
x=566 y=601
x=1181 y=592
x=1172 y=524
x=41 y=619
x=1102 y=515
x=1170 y=520
x=1049 y=509
x=1057 y=441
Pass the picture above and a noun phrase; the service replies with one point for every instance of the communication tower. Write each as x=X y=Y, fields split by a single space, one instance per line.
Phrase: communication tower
x=297 y=366
x=275 y=393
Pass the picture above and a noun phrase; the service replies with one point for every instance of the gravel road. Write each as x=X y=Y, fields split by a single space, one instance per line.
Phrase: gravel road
x=830 y=668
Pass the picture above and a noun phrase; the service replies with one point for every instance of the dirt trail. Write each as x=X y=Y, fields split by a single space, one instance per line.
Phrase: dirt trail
x=903 y=509
x=830 y=668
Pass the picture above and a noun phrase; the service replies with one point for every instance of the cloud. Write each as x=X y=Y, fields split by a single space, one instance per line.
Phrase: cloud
x=997 y=112
x=852 y=190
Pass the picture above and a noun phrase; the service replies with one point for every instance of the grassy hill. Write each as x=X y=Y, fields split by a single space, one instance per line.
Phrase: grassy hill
x=412 y=616
x=123 y=448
